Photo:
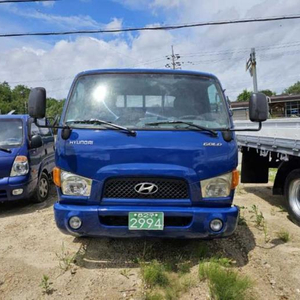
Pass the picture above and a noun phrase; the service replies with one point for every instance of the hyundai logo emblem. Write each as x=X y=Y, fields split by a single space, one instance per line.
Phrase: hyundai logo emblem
x=146 y=188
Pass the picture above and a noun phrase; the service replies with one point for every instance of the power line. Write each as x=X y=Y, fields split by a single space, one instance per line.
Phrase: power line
x=175 y=64
x=241 y=50
x=21 y=1
x=226 y=52
x=154 y=28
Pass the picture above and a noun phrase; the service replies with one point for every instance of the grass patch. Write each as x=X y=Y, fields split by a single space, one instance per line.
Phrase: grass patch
x=272 y=174
x=164 y=283
x=224 y=284
x=66 y=259
x=177 y=265
x=46 y=285
x=184 y=267
x=258 y=216
x=178 y=285
x=284 y=236
x=154 y=274
x=125 y=273
x=242 y=221
x=154 y=296
x=201 y=251
x=282 y=208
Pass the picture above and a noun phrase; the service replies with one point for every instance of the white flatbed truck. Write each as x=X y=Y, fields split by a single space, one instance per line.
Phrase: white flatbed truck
x=276 y=145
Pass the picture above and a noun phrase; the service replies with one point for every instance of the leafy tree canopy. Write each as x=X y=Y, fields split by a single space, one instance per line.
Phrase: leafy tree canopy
x=16 y=99
x=293 y=89
x=244 y=96
x=268 y=92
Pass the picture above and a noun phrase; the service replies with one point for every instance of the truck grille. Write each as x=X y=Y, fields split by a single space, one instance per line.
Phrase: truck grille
x=126 y=188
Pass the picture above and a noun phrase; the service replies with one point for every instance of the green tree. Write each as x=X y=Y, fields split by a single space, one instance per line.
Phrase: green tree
x=54 y=107
x=17 y=99
x=268 y=92
x=244 y=96
x=293 y=89
x=5 y=98
x=20 y=94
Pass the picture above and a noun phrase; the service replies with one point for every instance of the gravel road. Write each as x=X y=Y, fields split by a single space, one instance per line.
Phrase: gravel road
x=82 y=268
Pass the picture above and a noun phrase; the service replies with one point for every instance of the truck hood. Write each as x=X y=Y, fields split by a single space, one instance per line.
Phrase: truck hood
x=6 y=161
x=99 y=154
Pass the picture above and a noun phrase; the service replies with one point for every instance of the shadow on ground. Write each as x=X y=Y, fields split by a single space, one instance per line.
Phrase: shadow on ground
x=127 y=253
x=265 y=192
x=20 y=207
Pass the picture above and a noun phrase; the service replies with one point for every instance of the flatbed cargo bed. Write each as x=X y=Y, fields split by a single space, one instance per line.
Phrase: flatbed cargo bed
x=277 y=135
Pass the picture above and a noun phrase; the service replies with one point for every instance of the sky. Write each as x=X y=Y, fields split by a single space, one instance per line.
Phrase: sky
x=52 y=62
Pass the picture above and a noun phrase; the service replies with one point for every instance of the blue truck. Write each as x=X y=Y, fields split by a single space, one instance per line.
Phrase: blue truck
x=147 y=153
x=26 y=159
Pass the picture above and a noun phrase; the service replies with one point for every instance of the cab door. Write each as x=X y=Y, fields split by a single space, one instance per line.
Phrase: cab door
x=48 y=149
x=35 y=155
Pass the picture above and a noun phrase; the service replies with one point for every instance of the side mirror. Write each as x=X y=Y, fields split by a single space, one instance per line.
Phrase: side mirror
x=36 y=142
x=37 y=103
x=258 y=107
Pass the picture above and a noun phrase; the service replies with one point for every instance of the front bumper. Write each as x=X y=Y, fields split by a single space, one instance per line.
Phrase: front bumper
x=8 y=184
x=198 y=227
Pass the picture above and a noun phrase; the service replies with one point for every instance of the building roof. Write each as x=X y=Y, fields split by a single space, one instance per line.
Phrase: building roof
x=273 y=99
x=284 y=98
x=239 y=104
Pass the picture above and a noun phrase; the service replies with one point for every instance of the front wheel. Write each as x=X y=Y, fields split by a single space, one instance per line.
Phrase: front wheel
x=42 y=191
x=292 y=194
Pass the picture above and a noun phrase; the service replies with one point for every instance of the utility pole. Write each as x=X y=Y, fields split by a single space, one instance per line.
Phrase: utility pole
x=251 y=66
x=175 y=64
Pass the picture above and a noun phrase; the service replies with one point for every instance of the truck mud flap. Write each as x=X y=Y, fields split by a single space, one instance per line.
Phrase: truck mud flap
x=255 y=168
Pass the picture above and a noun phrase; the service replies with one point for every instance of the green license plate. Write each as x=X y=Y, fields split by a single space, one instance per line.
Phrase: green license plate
x=146 y=221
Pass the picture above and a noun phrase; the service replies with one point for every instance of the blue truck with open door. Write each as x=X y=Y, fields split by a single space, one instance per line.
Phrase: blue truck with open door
x=146 y=153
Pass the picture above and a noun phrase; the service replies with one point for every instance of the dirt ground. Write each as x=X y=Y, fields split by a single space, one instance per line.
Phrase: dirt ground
x=31 y=246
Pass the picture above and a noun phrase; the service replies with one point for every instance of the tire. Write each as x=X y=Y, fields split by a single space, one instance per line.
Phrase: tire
x=292 y=194
x=42 y=191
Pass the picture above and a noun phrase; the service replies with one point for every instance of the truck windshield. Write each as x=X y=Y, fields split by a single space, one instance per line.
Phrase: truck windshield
x=138 y=100
x=11 y=133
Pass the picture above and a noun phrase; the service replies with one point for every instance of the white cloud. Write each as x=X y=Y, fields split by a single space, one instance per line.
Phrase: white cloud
x=69 y=22
x=114 y=24
x=200 y=48
x=167 y=3
x=135 y=4
x=48 y=3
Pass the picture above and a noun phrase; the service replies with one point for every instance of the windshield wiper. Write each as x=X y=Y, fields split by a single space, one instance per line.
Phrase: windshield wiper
x=202 y=128
x=5 y=150
x=107 y=124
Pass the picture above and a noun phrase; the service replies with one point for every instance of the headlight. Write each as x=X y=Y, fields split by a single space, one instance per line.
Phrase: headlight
x=217 y=186
x=20 y=166
x=75 y=185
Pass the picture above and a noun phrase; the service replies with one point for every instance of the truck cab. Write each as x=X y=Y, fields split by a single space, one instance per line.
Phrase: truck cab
x=144 y=153
x=26 y=159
